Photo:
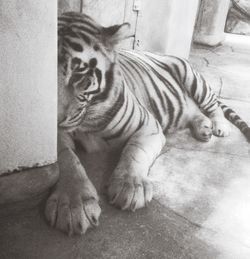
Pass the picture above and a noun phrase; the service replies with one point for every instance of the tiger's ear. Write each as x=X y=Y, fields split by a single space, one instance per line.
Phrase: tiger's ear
x=114 y=34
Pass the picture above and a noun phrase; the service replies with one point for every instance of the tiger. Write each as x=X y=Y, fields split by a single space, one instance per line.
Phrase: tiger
x=110 y=97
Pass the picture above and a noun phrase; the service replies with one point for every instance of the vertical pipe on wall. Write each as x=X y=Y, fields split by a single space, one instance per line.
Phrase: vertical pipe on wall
x=28 y=84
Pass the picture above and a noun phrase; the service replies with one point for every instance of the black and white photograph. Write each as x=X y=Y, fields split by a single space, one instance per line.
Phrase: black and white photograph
x=124 y=129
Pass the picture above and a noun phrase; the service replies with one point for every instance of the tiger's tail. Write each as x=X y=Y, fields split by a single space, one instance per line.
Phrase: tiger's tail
x=235 y=119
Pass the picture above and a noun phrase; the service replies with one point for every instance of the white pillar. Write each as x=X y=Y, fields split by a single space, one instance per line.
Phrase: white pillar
x=28 y=84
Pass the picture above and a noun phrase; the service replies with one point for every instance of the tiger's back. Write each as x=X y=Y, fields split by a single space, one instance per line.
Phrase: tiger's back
x=158 y=81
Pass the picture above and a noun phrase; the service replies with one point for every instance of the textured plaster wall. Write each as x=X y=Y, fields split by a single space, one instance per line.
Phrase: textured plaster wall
x=166 y=26
x=69 y=5
x=28 y=83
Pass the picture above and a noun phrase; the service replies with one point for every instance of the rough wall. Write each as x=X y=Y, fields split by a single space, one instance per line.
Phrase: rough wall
x=28 y=92
x=166 y=26
x=69 y=5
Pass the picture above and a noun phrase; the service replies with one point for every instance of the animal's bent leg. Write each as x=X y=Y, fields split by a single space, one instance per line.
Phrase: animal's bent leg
x=73 y=205
x=206 y=100
x=129 y=187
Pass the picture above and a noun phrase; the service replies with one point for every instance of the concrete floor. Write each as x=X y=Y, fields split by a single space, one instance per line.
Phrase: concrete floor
x=201 y=207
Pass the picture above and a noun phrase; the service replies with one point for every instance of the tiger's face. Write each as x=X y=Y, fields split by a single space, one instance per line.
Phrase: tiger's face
x=80 y=79
x=85 y=54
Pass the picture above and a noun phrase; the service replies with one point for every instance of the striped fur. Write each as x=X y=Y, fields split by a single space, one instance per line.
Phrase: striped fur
x=108 y=98
x=233 y=117
x=161 y=85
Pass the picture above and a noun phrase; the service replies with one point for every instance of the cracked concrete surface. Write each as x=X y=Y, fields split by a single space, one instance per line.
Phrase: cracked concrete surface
x=201 y=207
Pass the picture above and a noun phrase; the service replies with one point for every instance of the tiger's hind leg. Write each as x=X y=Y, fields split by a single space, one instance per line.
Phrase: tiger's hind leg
x=201 y=127
x=204 y=127
x=207 y=101
x=221 y=126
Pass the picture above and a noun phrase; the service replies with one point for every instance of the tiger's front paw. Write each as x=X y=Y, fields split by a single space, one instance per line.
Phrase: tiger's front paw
x=130 y=192
x=202 y=128
x=72 y=211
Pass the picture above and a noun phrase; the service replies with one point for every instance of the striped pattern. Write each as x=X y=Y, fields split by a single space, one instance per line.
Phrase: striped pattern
x=74 y=29
x=234 y=118
x=134 y=87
